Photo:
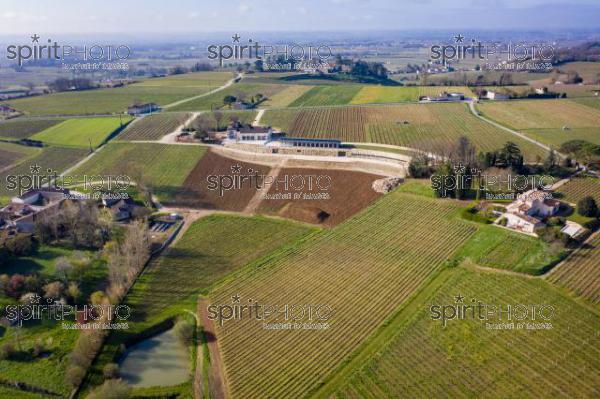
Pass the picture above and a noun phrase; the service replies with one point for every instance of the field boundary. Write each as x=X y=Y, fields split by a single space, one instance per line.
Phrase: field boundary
x=208 y=93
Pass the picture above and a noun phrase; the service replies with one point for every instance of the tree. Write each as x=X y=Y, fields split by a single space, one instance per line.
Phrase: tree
x=587 y=207
x=19 y=245
x=184 y=331
x=74 y=292
x=218 y=116
x=63 y=267
x=229 y=99
x=550 y=161
x=53 y=290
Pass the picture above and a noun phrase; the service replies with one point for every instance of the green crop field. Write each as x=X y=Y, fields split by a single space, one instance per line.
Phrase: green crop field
x=164 y=166
x=327 y=95
x=239 y=90
x=286 y=96
x=467 y=360
x=12 y=154
x=162 y=91
x=153 y=127
x=580 y=273
x=556 y=137
x=590 y=102
x=429 y=127
x=580 y=187
x=362 y=269
x=23 y=128
x=57 y=159
x=541 y=114
x=384 y=94
x=81 y=132
x=210 y=249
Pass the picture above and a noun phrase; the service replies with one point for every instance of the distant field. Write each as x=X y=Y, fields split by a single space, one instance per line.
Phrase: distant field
x=430 y=127
x=363 y=269
x=541 y=114
x=466 y=360
x=580 y=187
x=116 y=100
x=386 y=94
x=593 y=102
x=209 y=80
x=580 y=273
x=245 y=117
x=327 y=95
x=153 y=127
x=81 y=132
x=285 y=97
x=556 y=137
x=165 y=166
x=210 y=249
x=215 y=100
x=589 y=71
x=55 y=158
x=14 y=153
x=23 y=128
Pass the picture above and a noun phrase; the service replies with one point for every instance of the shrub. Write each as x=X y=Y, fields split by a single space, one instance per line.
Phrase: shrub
x=111 y=370
x=111 y=389
x=6 y=351
x=503 y=221
x=587 y=207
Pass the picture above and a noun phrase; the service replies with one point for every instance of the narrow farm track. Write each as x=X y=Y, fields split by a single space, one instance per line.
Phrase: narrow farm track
x=217 y=386
x=260 y=193
x=514 y=132
x=208 y=93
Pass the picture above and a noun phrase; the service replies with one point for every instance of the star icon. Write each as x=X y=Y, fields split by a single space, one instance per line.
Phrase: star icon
x=236 y=168
x=35 y=38
x=459 y=298
x=236 y=298
x=35 y=169
x=458 y=38
x=35 y=299
x=236 y=38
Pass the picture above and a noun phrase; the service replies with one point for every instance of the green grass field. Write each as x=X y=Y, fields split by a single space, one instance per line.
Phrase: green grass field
x=81 y=132
x=556 y=137
x=363 y=269
x=466 y=360
x=428 y=127
x=385 y=94
x=153 y=127
x=238 y=90
x=116 y=100
x=327 y=95
x=23 y=128
x=498 y=248
x=48 y=372
x=164 y=166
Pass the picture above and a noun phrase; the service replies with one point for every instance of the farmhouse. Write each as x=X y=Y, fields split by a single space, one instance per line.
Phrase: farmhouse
x=22 y=210
x=140 y=109
x=494 y=95
x=572 y=229
x=121 y=209
x=534 y=203
x=443 y=96
x=521 y=222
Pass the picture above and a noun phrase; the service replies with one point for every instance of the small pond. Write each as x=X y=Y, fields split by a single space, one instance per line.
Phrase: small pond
x=156 y=361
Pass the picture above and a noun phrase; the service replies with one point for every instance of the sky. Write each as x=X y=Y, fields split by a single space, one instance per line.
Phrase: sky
x=180 y=16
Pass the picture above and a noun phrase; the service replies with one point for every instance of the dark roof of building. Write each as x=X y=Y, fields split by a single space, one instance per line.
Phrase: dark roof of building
x=303 y=139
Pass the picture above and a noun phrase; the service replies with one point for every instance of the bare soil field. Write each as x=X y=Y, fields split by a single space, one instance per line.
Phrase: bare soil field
x=326 y=196
x=220 y=183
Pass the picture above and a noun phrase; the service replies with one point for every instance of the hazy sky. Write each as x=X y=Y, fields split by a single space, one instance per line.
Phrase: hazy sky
x=173 y=16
